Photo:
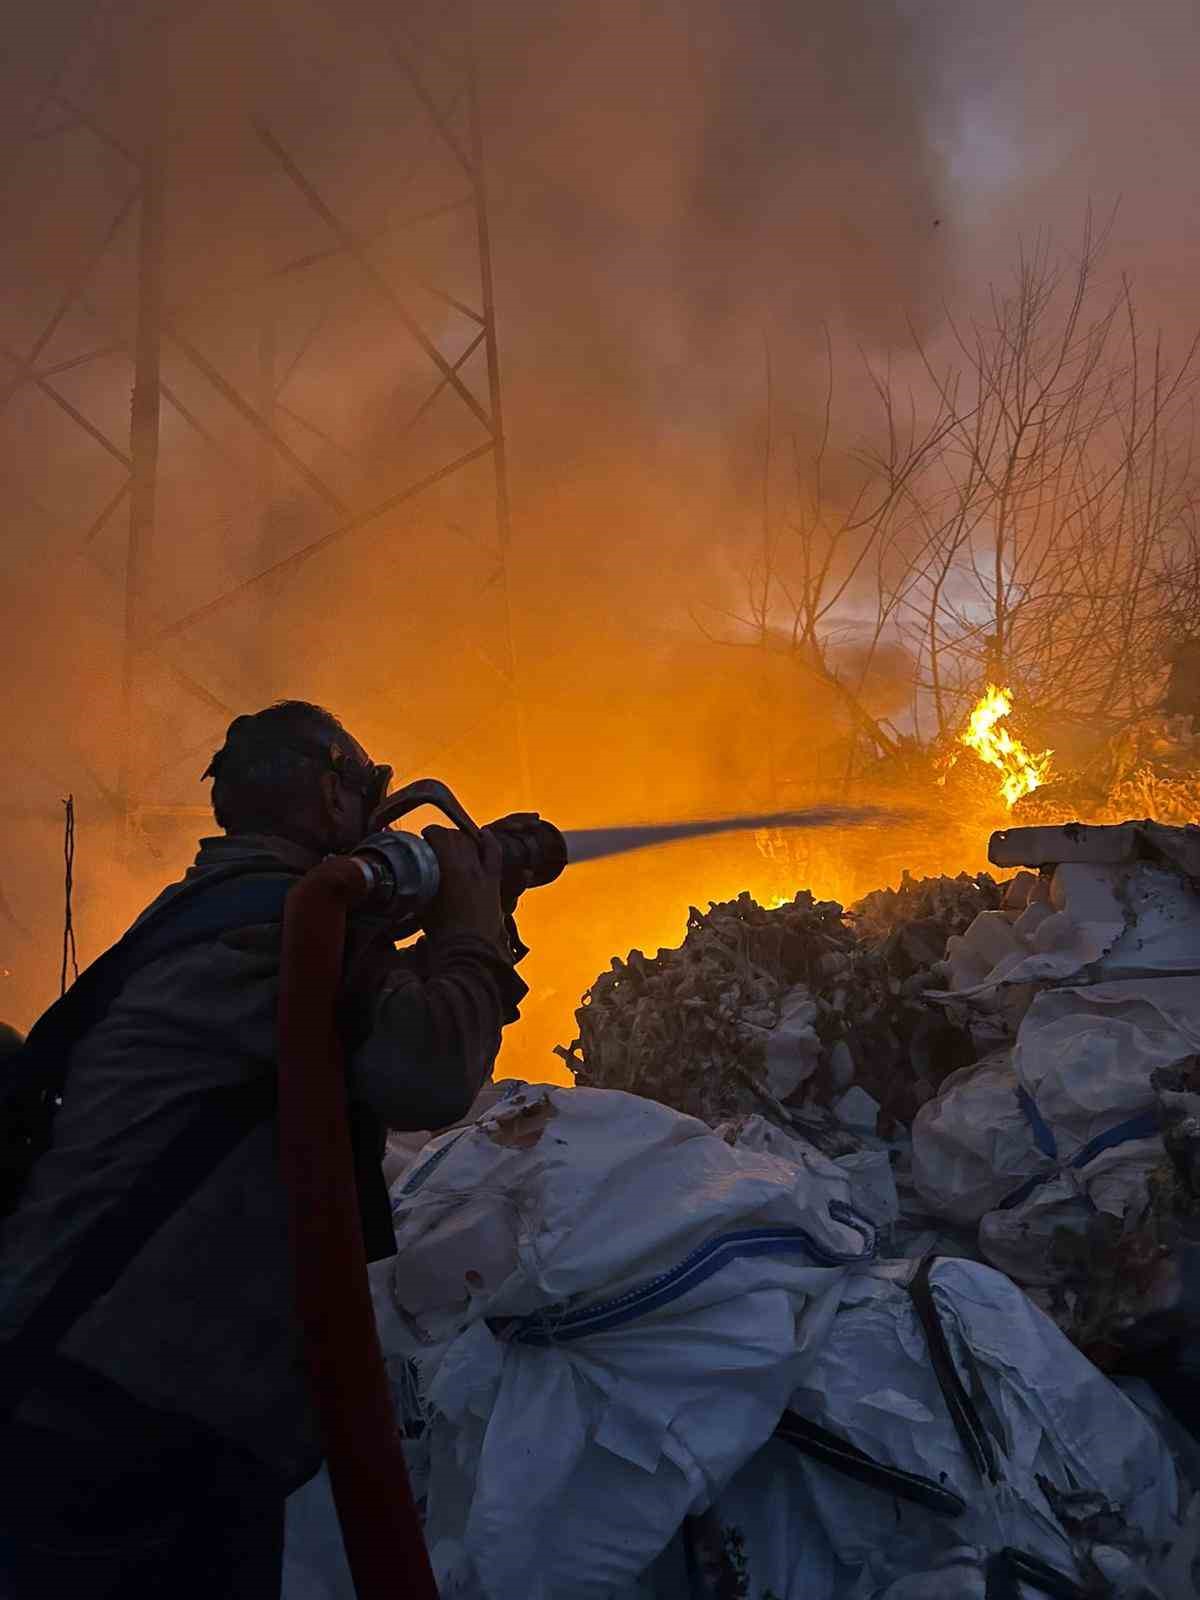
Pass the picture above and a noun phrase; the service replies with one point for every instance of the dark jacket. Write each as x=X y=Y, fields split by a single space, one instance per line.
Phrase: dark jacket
x=200 y=1326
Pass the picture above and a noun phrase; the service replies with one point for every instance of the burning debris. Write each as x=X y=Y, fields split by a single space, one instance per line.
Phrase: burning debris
x=1021 y=773
x=1149 y=770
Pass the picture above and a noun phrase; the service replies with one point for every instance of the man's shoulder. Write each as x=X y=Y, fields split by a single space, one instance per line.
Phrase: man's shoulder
x=195 y=958
x=218 y=861
x=210 y=898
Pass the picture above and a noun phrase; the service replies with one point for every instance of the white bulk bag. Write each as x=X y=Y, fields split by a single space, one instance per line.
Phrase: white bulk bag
x=1050 y=1412
x=608 y=1306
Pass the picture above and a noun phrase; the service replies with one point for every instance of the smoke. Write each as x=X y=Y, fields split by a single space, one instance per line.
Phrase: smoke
x=677 y=190
x=721 y=164
x=688 y=200
x=1045 y=109
x=694 y=182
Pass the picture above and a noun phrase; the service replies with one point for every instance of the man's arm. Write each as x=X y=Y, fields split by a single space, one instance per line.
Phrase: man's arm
x=437 y=1016
x=435 y=1032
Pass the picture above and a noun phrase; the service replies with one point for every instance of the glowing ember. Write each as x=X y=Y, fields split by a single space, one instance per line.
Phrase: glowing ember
x=1022 y=772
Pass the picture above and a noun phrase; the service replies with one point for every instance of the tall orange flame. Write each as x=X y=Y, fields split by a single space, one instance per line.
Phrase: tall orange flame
x=1021 y=772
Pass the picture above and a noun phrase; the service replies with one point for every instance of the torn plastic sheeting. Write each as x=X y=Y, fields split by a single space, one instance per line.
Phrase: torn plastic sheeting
x=1164 y=910
x=1136 y=919
x=872 y=1185
x=658 y=1418
x=464 y=1246
x=1085 y=917
x=771 y=1510
x=404 y=1149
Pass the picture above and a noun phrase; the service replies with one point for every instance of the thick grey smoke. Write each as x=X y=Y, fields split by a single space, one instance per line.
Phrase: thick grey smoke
x=1043 y=108
x=671 y=183
x=677 y=188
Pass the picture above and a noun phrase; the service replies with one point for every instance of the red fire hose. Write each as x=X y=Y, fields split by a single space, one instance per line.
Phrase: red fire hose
x=381 y=1532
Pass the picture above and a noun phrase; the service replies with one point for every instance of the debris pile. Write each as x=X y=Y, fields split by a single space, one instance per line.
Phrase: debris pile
x=1016 y=1044
x=936 y=907
x=1049 y=1148
x=738 y=1019
x=787 y=1010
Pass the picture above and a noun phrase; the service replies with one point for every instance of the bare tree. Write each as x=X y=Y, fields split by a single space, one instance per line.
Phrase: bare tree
x=827 y=549
x=1030 y=517
x=1070 y=484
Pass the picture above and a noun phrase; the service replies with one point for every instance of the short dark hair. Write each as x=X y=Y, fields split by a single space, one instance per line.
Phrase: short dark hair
x=263 y=774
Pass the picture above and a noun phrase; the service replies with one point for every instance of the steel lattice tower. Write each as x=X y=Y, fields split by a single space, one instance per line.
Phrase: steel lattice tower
x=255 y=345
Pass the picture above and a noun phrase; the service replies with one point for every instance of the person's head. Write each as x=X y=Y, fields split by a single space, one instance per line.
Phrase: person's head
x=294 y=772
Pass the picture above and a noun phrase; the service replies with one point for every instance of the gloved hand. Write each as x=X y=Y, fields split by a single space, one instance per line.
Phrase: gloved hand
x=515 y=883
x=468 y=897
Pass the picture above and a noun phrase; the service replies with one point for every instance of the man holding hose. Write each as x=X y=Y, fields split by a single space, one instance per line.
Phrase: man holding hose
x=152 y=1453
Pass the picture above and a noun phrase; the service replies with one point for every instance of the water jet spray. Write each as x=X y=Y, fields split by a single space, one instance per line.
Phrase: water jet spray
x=404 y=869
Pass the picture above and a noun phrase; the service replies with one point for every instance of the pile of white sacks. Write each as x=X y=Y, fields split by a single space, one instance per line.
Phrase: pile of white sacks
x=1096 y=962
x=637 y=1356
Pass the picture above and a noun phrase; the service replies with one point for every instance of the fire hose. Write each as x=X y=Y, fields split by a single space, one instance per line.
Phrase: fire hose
x=385 y=1546
x=394 y=873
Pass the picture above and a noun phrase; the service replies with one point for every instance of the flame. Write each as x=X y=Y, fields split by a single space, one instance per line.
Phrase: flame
x=1022 y=772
